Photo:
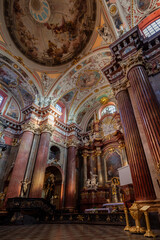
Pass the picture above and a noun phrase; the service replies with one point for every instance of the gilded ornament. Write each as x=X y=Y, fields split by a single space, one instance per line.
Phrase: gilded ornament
x=136 y=215
x=127 y=227
x=113 y=9
x=80 y=218
x=104 y=100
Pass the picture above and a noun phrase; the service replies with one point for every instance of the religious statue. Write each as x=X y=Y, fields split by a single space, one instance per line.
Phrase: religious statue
x=85 y=141
x=25 y=184
x=104 y=32
x=115 y=189
x=49 y=187
x=92 y=183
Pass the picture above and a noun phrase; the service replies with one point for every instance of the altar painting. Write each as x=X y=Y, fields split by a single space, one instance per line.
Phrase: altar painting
x=112 y=164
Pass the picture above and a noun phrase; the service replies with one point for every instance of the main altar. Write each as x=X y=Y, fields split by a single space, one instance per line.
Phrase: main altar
x=103 y=153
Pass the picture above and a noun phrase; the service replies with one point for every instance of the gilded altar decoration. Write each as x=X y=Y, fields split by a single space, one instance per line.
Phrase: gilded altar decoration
x=80 y=218
x=136 y=215
x=127 y=227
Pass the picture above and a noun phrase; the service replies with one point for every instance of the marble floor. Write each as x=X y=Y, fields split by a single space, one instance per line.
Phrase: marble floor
x=66 y=232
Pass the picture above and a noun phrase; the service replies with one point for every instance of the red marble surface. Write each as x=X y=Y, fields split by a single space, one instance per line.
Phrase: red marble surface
x=148 y=107
x=142 y=183
x=40 y=166
x=19 y=169
x=71 y=178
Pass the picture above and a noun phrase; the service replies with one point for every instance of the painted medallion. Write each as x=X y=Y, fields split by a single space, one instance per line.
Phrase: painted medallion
x=143 y=5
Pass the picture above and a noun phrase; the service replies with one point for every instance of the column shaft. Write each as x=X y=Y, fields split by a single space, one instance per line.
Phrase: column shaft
x=148 y=107
x=99 y=167
x=31 y=161
x=40 y=166
x=143 y=187
x=70 y=199
x=84 y=169
x=19 y=169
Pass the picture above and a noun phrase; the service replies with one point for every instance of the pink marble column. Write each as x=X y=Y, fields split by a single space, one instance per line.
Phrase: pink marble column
x=149 y=108
x=70 y=199
x=40 y=166
x=19 y=169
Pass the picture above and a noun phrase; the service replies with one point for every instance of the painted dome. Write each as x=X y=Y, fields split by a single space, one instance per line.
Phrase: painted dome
x=50 y=32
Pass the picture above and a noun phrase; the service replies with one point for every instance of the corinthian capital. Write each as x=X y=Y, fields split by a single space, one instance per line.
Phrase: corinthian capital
x=47 y=128
x=73 y=142
x=31 y=127
x=133 y=60
x=121 y=85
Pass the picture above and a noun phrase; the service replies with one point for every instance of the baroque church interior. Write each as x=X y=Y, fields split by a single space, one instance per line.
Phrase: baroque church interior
x=80 y=116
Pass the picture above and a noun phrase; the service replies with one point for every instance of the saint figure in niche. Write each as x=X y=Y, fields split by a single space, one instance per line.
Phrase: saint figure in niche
x=49 y=187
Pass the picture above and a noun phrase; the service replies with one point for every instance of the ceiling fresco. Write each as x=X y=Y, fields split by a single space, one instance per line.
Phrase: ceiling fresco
x=50 y=32
x=84 y=82
x=140 y=9
x=17 y=81
x=53 y=33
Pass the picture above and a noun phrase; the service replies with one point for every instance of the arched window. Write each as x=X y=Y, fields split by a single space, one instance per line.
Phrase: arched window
x=152 y=28
x=59 y=108
x=108 y=109
x=1 y=99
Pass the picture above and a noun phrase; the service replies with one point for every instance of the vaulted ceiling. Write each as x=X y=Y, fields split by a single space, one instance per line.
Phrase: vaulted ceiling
x=56 y=49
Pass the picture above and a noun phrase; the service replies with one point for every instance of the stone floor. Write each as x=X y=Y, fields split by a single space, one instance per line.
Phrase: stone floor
x=66 y=232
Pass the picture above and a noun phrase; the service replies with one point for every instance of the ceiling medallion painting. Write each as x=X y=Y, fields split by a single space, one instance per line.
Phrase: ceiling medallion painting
x=143 y=5
x=50 y=32
x=88 y=79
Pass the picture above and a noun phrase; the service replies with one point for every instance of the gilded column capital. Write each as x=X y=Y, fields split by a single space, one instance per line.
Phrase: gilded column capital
x=73 y=142
x=85 y=155
x=48 y=128
x=133 y=60
x=120 y=85
x=31 y=127
x=98 y=153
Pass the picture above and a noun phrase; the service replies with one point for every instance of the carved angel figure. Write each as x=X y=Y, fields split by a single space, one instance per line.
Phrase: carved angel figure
x=105 y=33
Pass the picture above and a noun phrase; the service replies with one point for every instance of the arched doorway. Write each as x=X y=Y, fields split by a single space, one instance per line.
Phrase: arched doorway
x=52 y=186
